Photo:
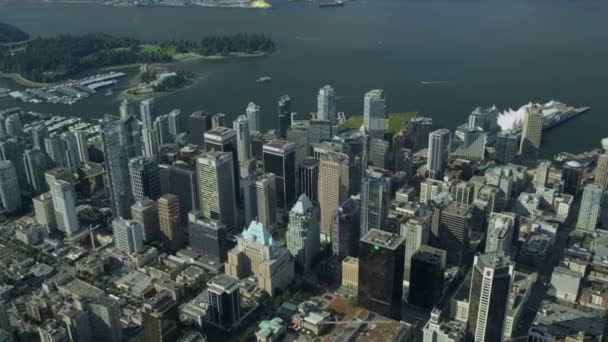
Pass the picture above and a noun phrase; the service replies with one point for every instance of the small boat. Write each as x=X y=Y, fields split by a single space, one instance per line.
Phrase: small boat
x=264 y=79
x=109 y=92
x=336 y=3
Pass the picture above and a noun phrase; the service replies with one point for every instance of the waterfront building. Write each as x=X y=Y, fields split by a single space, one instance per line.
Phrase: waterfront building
x=381 y=256
x=113 y=136
x=82 y=140
x=35 y=167
x=375 y=201
x=326 y=104
x=473 y=146
x=145 y=212
x=279 y=159
x=199 y=122
x=147 y=110
x=601 y=171
x=426 y=277
x=145 y=181
x=438 y=151
x=572 y=175
x=224 y=139
x=500 y=233
x=490 y=289
x=303 y=233
x=215 y=180
x=133 y=133
x=506 y=147
x=10 y=194
x=207 y=237
x=64 y=202
x=253 y=115
x=531 y=134
x=333 y=188
x=308 y=178
x=416 y=233
x=418 y=130
x=128 y=235
x=224 y=301
x=161 y=126
x=125 y=109
x=257 y=254
x=39 y=133
x=590 y=209
x=175 y=122
x=374 y=113
x=44 y=210
x=13 y=125
x=284 y=112
x=172 y=235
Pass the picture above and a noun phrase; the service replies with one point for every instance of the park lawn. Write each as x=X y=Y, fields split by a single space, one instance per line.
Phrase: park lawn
x=171 y=51
x=394 y=122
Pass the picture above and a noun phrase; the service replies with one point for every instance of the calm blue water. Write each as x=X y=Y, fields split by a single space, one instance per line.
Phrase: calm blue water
x=492 y=52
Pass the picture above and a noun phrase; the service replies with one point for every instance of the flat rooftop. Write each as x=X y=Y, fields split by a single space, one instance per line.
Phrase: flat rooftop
x=278 y=146
x=383 y=239
x=223 y=282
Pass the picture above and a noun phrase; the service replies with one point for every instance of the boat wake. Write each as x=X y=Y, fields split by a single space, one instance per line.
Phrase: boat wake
x=434 y=82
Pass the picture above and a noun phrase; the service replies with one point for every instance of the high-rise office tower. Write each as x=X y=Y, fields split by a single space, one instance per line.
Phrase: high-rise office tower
x=298 y=135
x=160 y=317
x=506 y=147
x=224 y=139
x=224 y=301
x=454 y=227
x=490 y=288
x=265 y=199
x=279 y=158
x=145 y=181
x=374 y=113
x=184 y=185
x=308 y=178
x=218 y=120
x=426 y=277
x=375 y=201
x=381 y=273
x=64 y=202
x=128 y=235
x=199 y=122
x=55 y=150
x=284 y=112
x=150 y=143
x=161 y=126
x=243 y=139
x=416 y=233
x=499 y=236
x=133 y=133
x=147 y=111
x=82 y=139
x=319 y=131
x=113 y=137
x=303 y=233
x=10 y=194
x=473 y=143
x=326 y=104
x=345 y=229
x=125 y=109
x=215 y=180
x=174 y=122
x=333 y=188
x=601 y=171
x=378 y=153
x=531 y=134
x=145 y=212
x=589 y=212
x=39 y=132
x=13 y=125
x=44 y=210
x=253 y=115
x=35 y=167
x=171 y=232
x=572 y=175
x=418 y=130
x=12 y=149
x=207 y=237
x=463 y=192
x=69 y=145
x=438 y=152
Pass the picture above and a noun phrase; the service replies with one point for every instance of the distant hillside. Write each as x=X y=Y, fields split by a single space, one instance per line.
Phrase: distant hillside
x=11 y=34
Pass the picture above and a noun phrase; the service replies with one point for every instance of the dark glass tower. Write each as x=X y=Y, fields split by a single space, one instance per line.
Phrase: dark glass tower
x=199 y=122
x=572 y=174
x=426 y=285
x=308 y=178
x=284 y=112
x=381 y=258
x=207 y=237
x=279 y=158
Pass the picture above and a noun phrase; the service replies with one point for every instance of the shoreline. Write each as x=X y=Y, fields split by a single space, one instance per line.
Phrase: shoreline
x=177 y=59
x=191 y=83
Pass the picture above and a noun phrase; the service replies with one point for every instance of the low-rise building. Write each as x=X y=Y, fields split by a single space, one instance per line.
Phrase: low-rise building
x=270 y=330
x=556 y=322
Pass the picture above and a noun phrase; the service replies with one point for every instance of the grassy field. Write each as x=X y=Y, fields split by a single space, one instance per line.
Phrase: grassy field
x=171 y=51
x=394 y=122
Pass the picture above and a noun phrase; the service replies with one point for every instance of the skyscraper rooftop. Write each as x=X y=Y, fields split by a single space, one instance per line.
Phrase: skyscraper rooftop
x=383 y=239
